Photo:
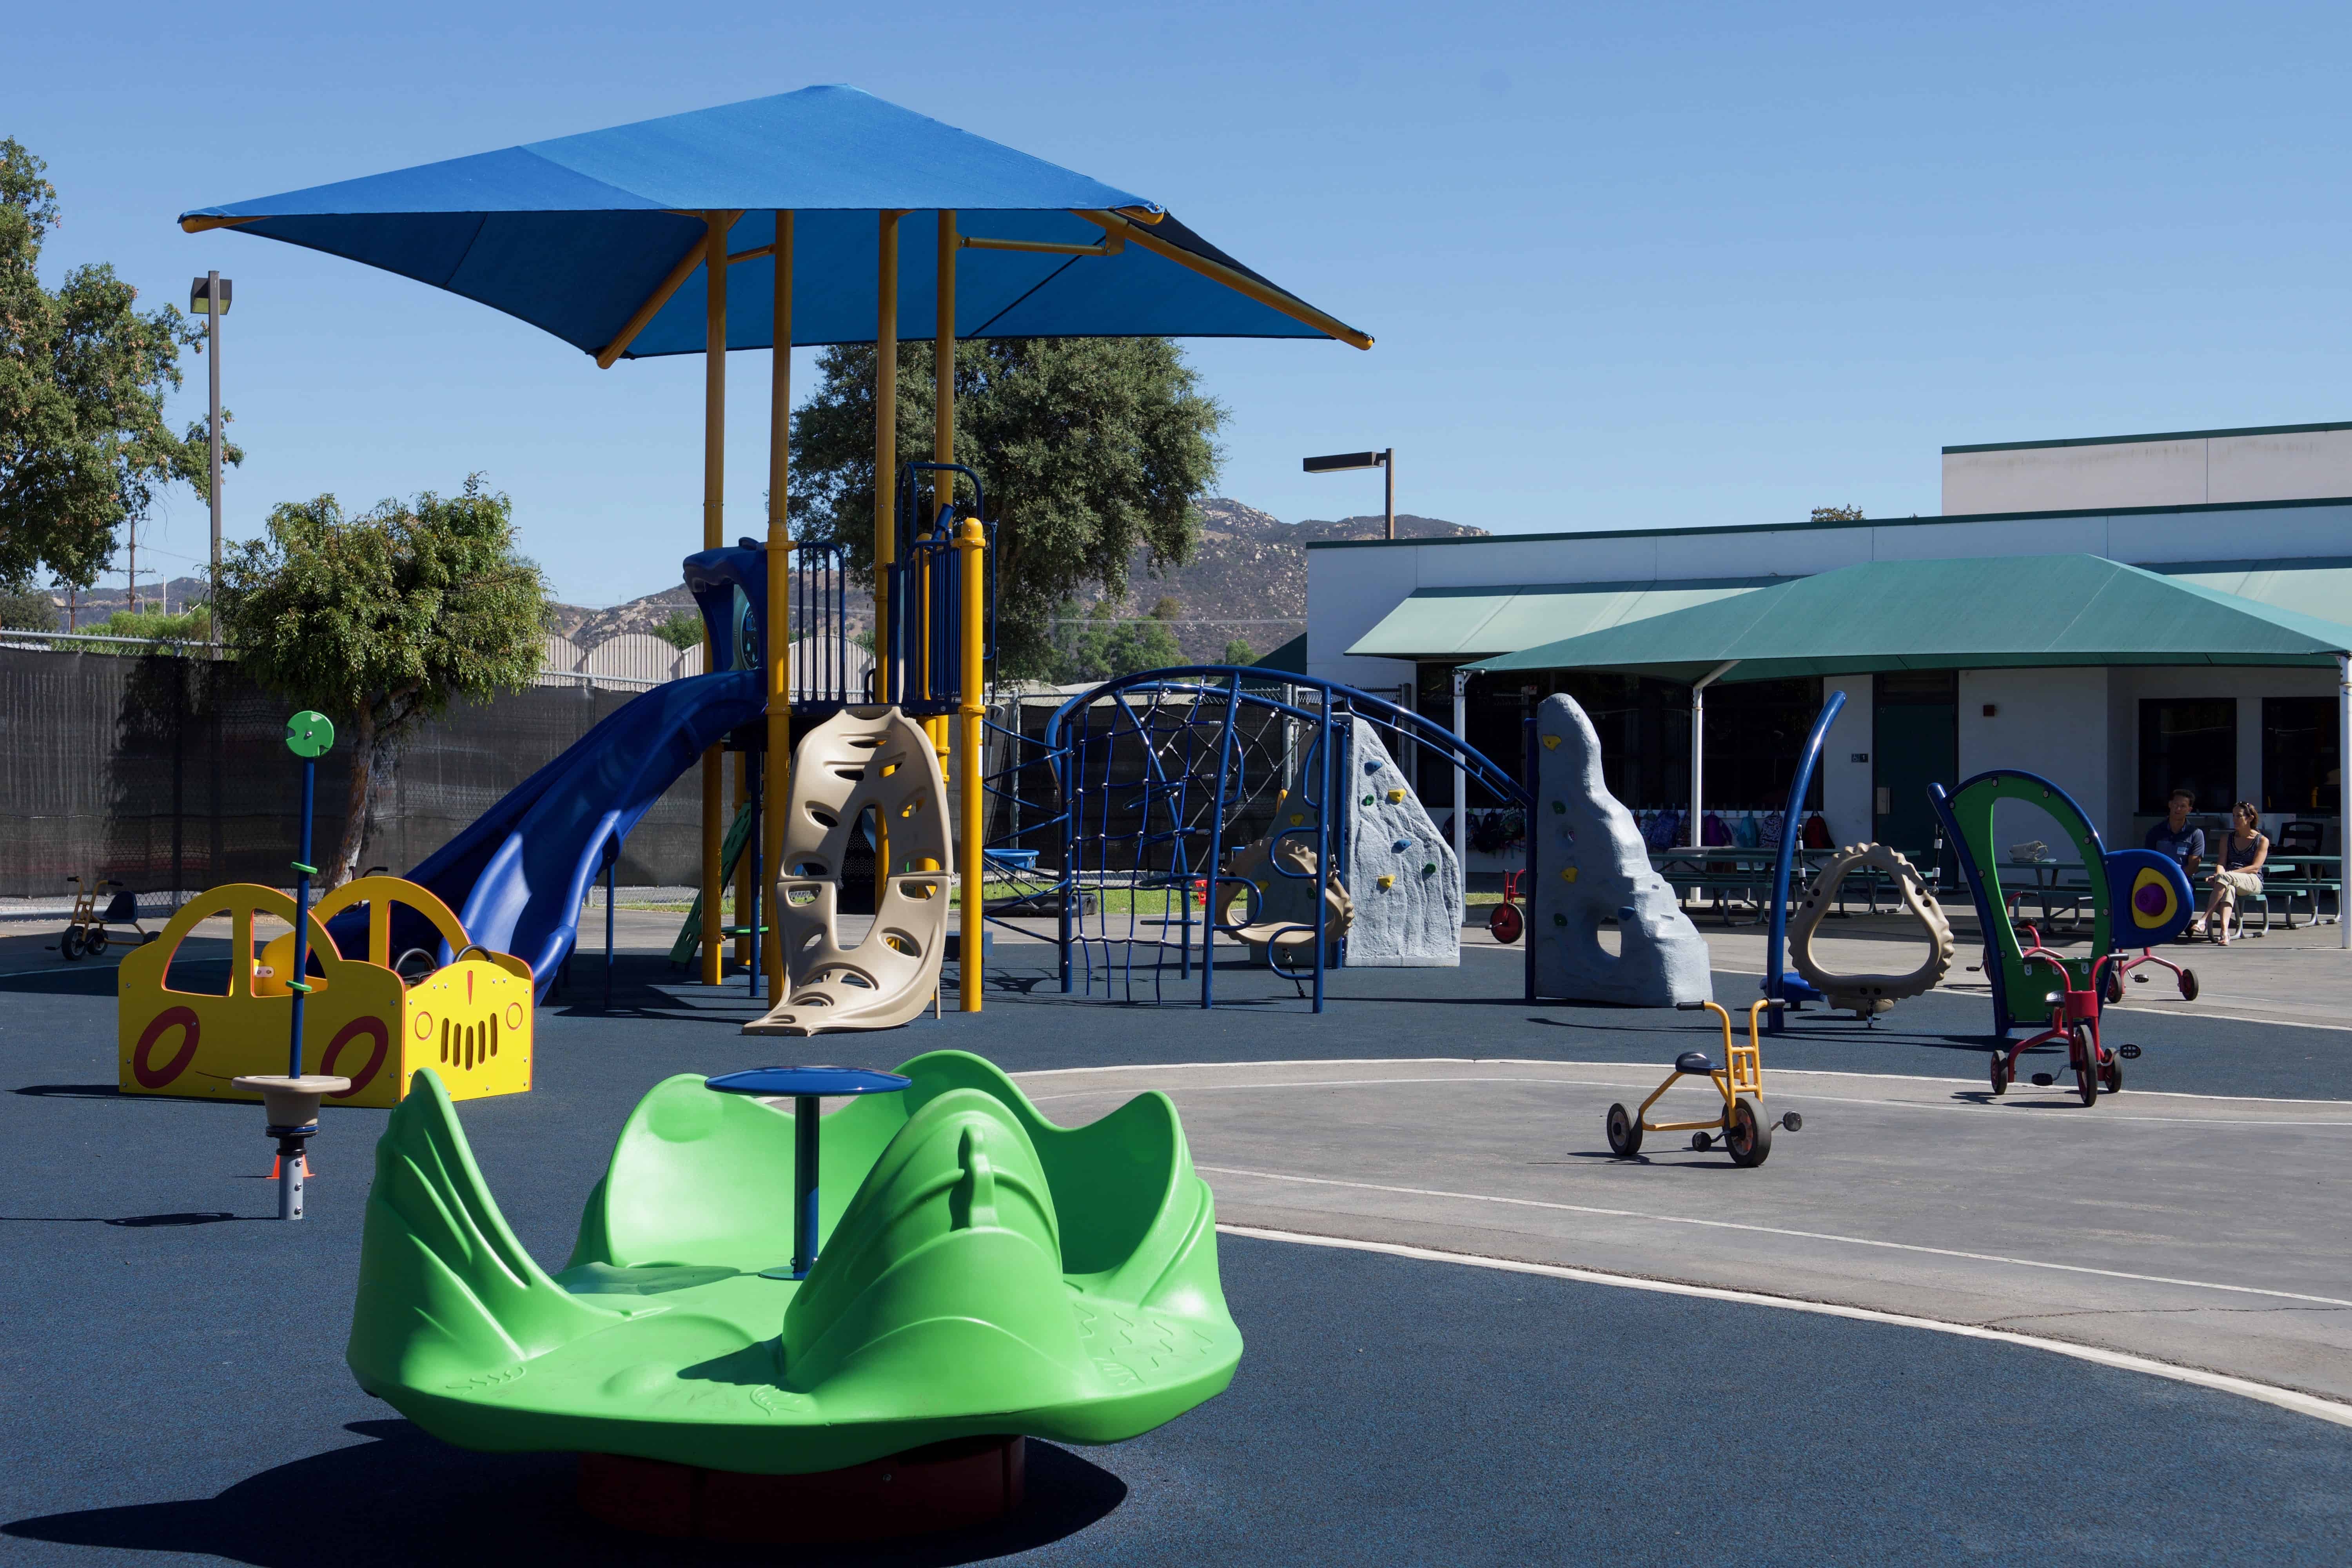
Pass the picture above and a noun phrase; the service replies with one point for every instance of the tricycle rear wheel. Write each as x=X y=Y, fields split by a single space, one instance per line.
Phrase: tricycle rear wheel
x=1505 y=923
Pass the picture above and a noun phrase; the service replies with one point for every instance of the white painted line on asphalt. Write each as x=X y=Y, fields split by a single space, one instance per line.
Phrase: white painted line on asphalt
x=1551 y=1062
x=2284 y=1398
x=2110 y=1119
x=2151 y=1013
x=1774 y=1230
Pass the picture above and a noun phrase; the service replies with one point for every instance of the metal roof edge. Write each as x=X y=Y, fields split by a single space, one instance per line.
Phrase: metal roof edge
x=2158 y=436
x=1858 y=523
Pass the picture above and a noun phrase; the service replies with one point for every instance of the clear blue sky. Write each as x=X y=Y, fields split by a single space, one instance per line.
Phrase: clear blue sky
x=1628 y=266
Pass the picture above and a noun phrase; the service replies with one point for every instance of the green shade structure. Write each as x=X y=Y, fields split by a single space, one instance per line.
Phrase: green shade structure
x=982 y=1272
x=1995 y=611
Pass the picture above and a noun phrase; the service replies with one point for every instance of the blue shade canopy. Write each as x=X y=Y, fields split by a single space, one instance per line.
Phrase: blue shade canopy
x=574 y=235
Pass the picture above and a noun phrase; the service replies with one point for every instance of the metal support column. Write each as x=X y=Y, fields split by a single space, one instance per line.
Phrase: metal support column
x=778 y=775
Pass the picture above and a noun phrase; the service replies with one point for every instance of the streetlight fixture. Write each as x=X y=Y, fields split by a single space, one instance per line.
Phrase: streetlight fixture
x=1383 y=460
x=202 y=294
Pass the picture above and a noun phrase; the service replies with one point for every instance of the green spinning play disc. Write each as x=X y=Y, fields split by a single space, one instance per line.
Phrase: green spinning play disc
x=310 y=734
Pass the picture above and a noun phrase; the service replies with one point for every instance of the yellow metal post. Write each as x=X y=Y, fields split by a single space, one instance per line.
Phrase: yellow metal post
x=886 y=485
x=714 y=534
x=886 y=431
x=943 y=408
x=971 y=548
x=778 y=779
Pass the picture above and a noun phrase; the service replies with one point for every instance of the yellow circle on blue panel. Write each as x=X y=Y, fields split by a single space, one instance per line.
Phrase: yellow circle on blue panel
x=2153 y=903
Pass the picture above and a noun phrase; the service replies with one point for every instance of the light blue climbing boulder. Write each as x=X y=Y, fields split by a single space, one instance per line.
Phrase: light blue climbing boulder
x=1591 y=866
x=1401 y=874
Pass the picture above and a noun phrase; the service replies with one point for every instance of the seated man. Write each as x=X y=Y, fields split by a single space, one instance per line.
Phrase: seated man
x=2175 y=837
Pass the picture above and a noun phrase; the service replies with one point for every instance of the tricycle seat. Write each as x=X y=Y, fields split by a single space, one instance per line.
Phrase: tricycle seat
x=1695 y=1063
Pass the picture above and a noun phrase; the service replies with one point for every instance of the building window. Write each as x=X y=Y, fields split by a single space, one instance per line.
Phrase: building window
x=2187 y=744
x=2301 y=755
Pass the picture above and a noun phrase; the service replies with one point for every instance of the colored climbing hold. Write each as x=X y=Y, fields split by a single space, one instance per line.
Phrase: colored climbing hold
x=1560 y=919
x=1402 y=845
x=1560 y=808
x=1552 y=743
x=1297 y=818
x=1568 y=873
x=1396 y=797
x=1387 y=882
x=1371 y=800
x=1429 y=868
x=1372 y=765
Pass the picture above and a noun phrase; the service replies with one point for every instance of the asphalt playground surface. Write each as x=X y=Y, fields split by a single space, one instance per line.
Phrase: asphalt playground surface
x=174 y=1367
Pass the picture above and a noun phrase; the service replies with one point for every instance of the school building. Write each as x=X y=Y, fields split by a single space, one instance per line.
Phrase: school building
x=2123 y=614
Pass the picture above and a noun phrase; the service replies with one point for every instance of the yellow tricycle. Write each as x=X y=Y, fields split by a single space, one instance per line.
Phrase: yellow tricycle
x=1746 y=1130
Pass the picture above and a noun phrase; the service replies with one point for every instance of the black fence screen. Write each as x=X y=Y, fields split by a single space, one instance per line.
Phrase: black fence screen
x=172 y=774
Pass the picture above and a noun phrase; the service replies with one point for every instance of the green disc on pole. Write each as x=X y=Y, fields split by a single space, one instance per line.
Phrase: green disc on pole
x=310 y=734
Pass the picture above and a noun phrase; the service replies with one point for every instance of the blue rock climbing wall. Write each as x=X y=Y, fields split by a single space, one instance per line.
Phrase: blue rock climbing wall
x=1401 y=874
x=1591 y=866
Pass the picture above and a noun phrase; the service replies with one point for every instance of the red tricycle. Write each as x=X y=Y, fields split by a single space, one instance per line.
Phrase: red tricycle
x=1505 y=924
x=2075 y=1019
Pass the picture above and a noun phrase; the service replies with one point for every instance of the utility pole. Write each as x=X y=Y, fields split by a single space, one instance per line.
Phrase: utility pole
x=209 y=297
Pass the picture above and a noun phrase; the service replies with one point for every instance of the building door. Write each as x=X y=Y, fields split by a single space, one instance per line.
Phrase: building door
x=1915 y=741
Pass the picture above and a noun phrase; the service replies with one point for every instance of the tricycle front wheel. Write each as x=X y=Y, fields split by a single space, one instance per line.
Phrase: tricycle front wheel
x=1624 y=1132
x=1748 y=1140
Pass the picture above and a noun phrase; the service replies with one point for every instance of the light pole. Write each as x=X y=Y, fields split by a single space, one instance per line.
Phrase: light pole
x=1385 y=460
x=202 y=294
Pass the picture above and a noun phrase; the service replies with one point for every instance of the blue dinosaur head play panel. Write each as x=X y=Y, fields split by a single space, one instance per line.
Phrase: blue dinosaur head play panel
x=2150 y=895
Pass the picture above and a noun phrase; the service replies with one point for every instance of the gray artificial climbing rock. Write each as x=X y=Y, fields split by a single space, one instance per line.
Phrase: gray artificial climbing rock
x=1401 y=875
x=1590 y=865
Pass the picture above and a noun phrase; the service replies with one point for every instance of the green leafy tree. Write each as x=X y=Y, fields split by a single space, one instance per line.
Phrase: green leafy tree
x=1091 y=450
x=1096 y=650
x=1239 y=652
x=29 y=609
x=1837 y=514
x=83 y=374
x=682 y=630
x=381 y=621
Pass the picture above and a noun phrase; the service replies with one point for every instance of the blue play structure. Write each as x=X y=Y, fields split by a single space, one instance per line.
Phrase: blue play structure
x=1779 y=985
x=1126 y=812
x=518 y=874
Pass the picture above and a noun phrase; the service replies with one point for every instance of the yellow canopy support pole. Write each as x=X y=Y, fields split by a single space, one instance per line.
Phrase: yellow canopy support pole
x=971 y=547
x=778 y=779
x=886 y=485
x=942 y=430
x=969 y=543
x=654 y=301
x=714 y=534
x=886 y=436
x=1265 y=294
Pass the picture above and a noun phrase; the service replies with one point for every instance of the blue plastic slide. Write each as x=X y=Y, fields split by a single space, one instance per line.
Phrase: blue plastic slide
x=517 y=875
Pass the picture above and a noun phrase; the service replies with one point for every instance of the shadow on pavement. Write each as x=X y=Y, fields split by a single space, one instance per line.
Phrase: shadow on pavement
x=406 y=1497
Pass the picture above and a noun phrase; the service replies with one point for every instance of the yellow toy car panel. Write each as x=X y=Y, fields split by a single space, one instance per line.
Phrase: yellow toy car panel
x=471 y=1020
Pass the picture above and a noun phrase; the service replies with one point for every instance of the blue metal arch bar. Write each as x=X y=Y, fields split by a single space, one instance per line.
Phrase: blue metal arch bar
x=1238 y=687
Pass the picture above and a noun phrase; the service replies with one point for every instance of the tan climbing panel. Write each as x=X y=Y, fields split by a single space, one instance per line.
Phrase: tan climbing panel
x=862 y=759
x=1291 y=938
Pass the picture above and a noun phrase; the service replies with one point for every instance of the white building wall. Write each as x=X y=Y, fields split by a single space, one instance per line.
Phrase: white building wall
x=2129 y=685
x=2046 y=721
x=2187 y=470
x=1845 y=782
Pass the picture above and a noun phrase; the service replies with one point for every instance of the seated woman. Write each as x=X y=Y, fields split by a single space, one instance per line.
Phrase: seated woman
x=2244 y=849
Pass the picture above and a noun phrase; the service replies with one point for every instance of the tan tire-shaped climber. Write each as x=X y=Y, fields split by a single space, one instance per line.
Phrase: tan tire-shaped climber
x=1867 y=994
